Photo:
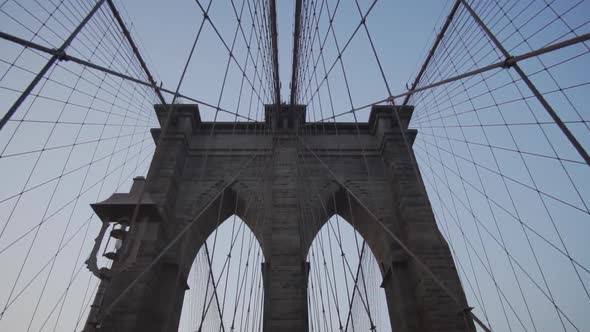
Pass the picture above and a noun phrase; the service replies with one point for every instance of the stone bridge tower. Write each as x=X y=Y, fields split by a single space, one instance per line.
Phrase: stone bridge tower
x=203 y=172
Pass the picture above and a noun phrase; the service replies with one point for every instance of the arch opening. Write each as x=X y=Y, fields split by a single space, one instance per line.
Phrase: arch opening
x=344 y=282
x=225 y=285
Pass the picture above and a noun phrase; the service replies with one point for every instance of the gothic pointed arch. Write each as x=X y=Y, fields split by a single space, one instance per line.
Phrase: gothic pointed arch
x=339 y=201
x=344 y=285
x=225 y=283
x=206 y=218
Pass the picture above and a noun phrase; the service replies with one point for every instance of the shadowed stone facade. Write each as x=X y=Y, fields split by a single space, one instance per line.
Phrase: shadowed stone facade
x=284 y=179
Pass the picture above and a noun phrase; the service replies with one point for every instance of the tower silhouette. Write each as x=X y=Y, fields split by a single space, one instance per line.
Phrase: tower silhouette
x=276 y=176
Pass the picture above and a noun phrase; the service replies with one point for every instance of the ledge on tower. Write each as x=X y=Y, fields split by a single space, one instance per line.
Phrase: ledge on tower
x=185 y=118
x=384 y=116
x=385 y=120
x=189 y=111
x=284 y=116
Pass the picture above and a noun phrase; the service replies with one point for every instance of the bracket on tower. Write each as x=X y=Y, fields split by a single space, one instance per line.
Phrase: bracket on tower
x=118 y=209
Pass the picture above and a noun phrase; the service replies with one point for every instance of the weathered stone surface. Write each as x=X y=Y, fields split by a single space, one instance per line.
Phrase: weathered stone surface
x=270 y=176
